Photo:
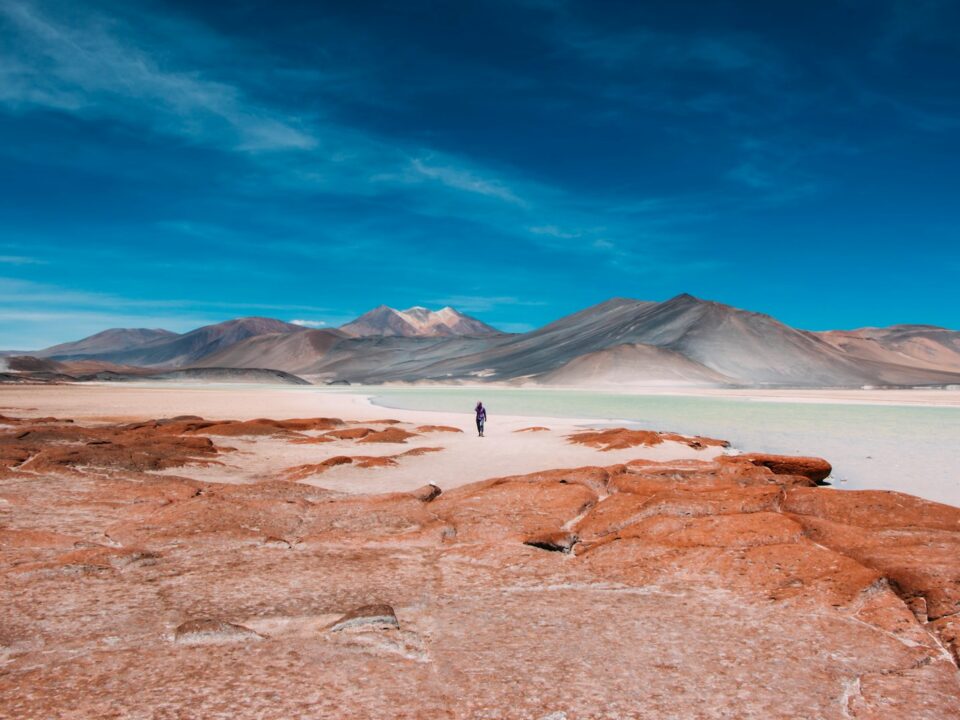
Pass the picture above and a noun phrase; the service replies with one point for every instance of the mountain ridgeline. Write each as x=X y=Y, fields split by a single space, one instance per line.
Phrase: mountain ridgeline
x=618 y=343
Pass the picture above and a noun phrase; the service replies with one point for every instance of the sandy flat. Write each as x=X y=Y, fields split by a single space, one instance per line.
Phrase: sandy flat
x=463 y=457
x=930 y=397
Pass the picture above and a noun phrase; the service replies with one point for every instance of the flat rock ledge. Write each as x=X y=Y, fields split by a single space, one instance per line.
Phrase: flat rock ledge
x=367 y=617
x=209 y=630
x=732 y=587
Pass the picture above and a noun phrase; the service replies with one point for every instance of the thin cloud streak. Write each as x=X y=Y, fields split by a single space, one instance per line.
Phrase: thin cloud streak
x=98 y=72
x=480 y=303
x=92 y=72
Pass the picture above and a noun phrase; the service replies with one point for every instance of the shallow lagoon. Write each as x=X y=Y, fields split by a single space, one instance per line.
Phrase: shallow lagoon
x=914 y=449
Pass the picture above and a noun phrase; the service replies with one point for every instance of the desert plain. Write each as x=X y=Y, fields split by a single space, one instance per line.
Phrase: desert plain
x=172 y=552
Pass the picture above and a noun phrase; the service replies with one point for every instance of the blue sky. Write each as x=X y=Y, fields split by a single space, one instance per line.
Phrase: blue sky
x=169 y=164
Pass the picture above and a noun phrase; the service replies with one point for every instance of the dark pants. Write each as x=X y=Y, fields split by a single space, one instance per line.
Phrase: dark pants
x=480 y=425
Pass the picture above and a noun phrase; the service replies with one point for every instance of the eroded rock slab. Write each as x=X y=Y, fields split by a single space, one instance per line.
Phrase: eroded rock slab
x=623 y=438
x=700 y=589
x=366 y=617
x=209 y=630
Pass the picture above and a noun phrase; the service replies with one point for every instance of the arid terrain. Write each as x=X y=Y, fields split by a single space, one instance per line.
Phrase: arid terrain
x=168 y=553
x=621 y=343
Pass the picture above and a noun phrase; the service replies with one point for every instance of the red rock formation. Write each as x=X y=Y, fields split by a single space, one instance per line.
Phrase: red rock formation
x=727 y=588
x=622 y=438
x=379 y=615
x=208 y=630
x=301 y=472
x=53 y=447
x=438 y=428
x=390 y=435
x=349 y=433
x=816 y=469
x=427 y=493
x=617 y=438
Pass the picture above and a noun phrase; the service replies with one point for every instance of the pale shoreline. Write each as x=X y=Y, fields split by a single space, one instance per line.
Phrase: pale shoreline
x=910 y=462
x=463 y=457
x=917 y=397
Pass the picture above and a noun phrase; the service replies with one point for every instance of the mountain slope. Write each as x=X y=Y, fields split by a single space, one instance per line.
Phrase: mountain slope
x=108 y=341
x=384 y=321
x=633 y=365
x=619 y=342
x=744 y=347
x=752 y=348
x=190 y=347
x=293 y=352
x=926 y=346
x=683 y=340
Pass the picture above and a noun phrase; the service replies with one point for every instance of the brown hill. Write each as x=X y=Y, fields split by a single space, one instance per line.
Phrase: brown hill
x=925 y=346
x=103 y=343
x=182 y=350
x=292 y=352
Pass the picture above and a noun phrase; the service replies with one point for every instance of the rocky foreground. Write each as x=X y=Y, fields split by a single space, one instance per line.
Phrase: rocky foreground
x=726 y=588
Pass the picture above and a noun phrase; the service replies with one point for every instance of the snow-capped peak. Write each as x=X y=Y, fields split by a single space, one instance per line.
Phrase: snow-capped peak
x=416 y=321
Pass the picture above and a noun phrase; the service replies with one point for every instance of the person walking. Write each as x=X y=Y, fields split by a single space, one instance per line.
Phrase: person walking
x=481 y=412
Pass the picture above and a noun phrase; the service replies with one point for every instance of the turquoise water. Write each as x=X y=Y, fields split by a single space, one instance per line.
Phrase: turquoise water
x=908 y=448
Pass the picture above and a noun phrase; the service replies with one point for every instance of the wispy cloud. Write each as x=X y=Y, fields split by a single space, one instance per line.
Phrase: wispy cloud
x=482 y=303
x=98 y=68
x=25 y=293
x=20 y=260
x=554 y=231
x=718 y=53
x=92 y=70
x=310 y=323
x=462 y=179
x=35 y=315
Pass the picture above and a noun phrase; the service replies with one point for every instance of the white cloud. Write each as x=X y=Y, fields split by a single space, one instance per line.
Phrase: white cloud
x=95 y=70
x=20 y=260
x=554 y=231
x=35 y=315
x=310 y=323
x=482 y=303
x=462 y=179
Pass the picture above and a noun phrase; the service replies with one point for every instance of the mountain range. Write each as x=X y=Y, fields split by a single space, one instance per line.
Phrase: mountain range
x=618 y=343
x=384 y=321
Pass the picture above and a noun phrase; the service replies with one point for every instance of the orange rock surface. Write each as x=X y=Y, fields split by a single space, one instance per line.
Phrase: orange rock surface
x=621 y=438
x=438 y=428
x=389 y=435
x=816 y=469
x=688 y=589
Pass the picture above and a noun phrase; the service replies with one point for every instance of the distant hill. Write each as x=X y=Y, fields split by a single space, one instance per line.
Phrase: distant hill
x=925 y=346
x=617 y=343
x=29 y=369
x=205 y=375
x=103 y=343
x=292 y=352
x=169 y=349
x=384 y=321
